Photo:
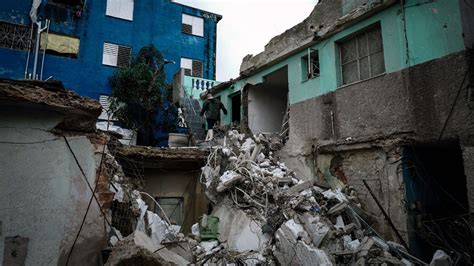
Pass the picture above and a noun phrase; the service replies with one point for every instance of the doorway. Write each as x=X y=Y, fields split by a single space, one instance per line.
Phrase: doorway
x=236 y=103
x=436 y=201
x=268 y=103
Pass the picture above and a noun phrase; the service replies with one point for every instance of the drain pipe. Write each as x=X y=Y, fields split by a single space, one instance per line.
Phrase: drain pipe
x=37 y=47
x=29 y=51
x=45 y=47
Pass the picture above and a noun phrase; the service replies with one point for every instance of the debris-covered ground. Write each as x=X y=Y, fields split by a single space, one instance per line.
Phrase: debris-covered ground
x=262 y=214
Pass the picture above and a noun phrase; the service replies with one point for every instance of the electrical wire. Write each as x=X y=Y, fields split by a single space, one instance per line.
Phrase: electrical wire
x=93 y=190
x=453 y=105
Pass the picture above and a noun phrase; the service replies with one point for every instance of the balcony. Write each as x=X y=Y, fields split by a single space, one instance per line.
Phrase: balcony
x=190 y=87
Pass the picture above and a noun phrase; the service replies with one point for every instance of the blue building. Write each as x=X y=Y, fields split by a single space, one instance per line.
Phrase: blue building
x=88 y=40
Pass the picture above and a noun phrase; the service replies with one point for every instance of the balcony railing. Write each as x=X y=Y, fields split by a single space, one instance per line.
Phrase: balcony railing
x=195 y=86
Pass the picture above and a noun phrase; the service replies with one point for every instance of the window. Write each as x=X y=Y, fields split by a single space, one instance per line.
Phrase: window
x=191 y=67
x=173 y=208
x=104 y=101
x=14 y=36
x=310 y=65
x=362 y=56
x=60 y=45
x=193 y=25
x=116 y=55
x=120 y=9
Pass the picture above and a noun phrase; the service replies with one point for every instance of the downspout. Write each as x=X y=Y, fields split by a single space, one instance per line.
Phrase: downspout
x=45 y=47
x=37 y=47
x=29 y=51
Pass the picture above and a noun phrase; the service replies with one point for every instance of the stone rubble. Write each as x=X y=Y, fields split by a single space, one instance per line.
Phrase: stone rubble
x=268 y=215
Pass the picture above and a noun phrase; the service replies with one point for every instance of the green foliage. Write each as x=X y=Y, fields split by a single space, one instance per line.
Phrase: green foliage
x=139 y=91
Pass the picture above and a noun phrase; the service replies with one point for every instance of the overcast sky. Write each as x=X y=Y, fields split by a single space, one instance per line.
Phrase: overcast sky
x=247 y=25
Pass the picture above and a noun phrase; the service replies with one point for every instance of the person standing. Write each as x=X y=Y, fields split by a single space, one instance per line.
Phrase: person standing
x=212 y=108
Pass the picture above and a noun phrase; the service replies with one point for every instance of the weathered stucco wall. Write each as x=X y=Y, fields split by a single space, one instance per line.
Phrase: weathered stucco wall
x=43 y=195
x=381 y=169
x=415 y=103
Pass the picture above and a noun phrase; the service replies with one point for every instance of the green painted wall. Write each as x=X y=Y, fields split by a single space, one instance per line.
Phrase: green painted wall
x=191 y=91
x=433 y=31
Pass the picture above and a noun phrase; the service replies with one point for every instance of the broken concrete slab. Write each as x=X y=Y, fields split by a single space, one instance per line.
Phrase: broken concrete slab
x=290 y=252
x=237 y=230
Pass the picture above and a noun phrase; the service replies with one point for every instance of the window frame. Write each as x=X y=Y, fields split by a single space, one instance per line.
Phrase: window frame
x=192 y=25
x=192 y=69
x=307 y=71
x=365 y=31
x=118 y=51
x=108 y=12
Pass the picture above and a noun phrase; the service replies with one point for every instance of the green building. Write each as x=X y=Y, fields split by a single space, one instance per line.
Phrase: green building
x=379 y=91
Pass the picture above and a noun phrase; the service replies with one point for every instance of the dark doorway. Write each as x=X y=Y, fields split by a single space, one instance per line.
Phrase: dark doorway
x=437 y=205
x=268 y=103
x=235 y=112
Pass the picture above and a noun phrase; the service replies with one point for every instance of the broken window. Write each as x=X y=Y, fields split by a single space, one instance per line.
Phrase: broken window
x=192 y=67
x=116 y=55
x=120 y=9
x=310 y=64
x=193 y=25
x=362 y=56
x=173 y=208
x=60 y=45
x=14 y=36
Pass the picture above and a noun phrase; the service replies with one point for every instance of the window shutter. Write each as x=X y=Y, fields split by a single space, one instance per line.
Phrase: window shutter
x=198 y=26
x=120 y=9
x=197 y=69
x=104 y=101
x=193 y=25
x=124 y=56
x=110 y=54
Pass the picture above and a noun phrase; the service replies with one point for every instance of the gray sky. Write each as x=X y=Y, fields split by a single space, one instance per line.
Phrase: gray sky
x=247 y=25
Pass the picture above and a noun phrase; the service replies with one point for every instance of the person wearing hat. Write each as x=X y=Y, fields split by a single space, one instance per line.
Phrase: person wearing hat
x=212 y=108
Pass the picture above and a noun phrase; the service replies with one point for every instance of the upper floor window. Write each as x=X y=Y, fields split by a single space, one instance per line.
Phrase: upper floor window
x=362 y=56
x=120 y=9
x=310 y=64
x=14 y=36
x=193 y=25
x=116 y=55
x=192 y=67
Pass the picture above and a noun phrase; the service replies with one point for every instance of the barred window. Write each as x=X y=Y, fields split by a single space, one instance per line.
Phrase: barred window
x=192 y=67
x=362 y=56
x=15 y=36
x=310 y=65
x=116 y=55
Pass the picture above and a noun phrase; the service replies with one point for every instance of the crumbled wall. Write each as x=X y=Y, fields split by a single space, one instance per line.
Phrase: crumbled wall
x=43 y=195
x=381 y=169
x=296 y=36
x=177 y=183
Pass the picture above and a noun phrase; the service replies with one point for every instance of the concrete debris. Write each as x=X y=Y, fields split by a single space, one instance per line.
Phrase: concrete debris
x=440 y=258
x=266 y=209
x=267 y=215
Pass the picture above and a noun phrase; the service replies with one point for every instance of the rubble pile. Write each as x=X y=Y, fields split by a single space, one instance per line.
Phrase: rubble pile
x=262 y=214
x=269 y=215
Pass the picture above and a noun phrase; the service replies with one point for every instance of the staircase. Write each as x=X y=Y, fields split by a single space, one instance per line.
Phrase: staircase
x=191 y=110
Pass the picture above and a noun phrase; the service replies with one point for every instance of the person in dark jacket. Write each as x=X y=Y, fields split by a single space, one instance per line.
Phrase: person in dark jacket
x=212 y=108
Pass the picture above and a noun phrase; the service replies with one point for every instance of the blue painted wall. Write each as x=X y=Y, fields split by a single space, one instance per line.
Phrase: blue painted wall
x=154 y=21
